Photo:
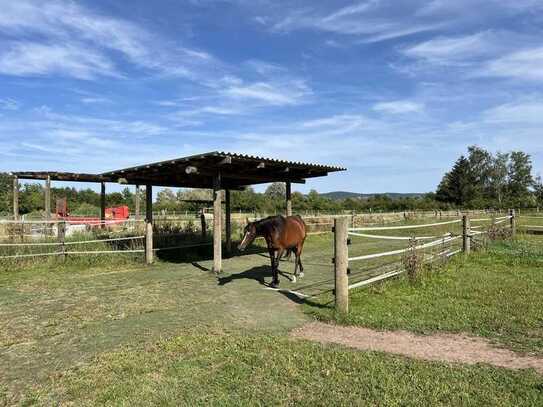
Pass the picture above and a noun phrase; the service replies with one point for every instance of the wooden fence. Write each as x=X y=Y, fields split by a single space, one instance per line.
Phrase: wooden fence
x=441 y=245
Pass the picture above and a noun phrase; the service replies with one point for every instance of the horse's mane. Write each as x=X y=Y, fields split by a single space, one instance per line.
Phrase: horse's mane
x=269 y=221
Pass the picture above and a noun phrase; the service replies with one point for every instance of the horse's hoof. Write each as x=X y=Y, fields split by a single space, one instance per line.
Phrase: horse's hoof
x=293 y=279
x=301 y=275
x=274 y=284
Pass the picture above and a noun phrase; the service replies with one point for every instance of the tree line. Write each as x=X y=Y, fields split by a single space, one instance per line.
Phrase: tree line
x=481 y=179
x=478 y=179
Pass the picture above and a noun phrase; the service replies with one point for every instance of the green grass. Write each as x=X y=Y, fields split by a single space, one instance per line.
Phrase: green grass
x=174 y=333
x=497 y=294
x=219 y=369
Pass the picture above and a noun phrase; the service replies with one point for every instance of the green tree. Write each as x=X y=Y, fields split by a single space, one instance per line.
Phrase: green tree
x=538 y=190
x=276 y=190
x=166 y=199
x=498 y=178
x=480 y=163
x=6 y=182
x=457 y=186
x=520 y=179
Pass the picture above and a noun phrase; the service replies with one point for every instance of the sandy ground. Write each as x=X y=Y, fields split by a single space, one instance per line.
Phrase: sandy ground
x=439 y=347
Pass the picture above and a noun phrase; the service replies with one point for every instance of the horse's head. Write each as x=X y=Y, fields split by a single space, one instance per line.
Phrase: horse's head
x=249 y=234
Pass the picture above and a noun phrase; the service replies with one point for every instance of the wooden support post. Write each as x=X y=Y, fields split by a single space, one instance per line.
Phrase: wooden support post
x=103 y=204
x=217 y=212
x=47 y=192
x=341 y=263
x=228 y=224
x=513 y=222
x=466 y=234
x=15 y=198
x=203 y=224
x=148 y=224
x=137 y=204
x=288 y=199
x=61 y=238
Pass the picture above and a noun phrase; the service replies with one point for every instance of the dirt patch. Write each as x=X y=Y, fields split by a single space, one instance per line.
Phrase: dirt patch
x=439 y=347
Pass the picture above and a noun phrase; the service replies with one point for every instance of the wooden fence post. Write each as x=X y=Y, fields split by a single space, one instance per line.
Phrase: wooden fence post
x=217 y=224
x=102 y=205
x=137 y=204
x=148 y=224
x=513 y=221
x=228 y=222
x=466 y=234
x=15 y=198
x=203 y=224
x=341 y=263
x=288 y=198
x=61 y=236
x=47 y=197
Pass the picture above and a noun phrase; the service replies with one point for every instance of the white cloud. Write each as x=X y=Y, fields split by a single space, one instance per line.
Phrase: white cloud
x=9 y=104
x=166 y=103
x=458 y=7
x=95 y=100
x=27 y=58
x=371 y=19
x=74 y=29
x=279 y=95
x=524 y=65
x=398 y=107
x=453 y=50
x=520 y=112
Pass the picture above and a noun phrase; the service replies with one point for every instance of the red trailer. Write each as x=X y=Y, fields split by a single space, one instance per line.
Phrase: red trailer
x=118 y=213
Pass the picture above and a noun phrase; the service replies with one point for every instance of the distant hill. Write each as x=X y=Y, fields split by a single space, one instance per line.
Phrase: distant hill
x=344 y=195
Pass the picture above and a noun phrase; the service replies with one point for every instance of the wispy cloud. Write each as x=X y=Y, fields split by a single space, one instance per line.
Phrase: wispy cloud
x=95 y=100
x=527 y=112
x=270 y=94
x=398 y=107
x=373 y=20
x=457 y=8
x=28 y=59
x=522 y=65
x=87 y=40
x=460 y=50
x=499 y=54
x=9 y=104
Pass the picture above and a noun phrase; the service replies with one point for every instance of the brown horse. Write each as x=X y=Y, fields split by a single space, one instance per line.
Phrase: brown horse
x=282 y=235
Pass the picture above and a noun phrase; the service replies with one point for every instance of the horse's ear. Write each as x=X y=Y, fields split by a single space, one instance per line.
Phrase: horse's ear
x=247 y=220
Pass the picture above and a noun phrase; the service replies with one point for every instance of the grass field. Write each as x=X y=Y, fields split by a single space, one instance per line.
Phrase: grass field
x=175 y=334
x=497 y=294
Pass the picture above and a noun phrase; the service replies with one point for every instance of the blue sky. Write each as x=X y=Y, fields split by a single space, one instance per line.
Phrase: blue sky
x=392 y=90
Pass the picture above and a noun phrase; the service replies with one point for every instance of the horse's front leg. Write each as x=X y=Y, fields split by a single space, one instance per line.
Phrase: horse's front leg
x=275 y=275
x=275 y=282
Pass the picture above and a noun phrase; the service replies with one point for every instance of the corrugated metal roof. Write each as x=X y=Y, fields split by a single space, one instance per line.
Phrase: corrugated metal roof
x=275 y=160
x=228 y=154
x=234 y=169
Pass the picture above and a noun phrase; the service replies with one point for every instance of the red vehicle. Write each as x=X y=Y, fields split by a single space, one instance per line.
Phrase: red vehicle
x=118 y=213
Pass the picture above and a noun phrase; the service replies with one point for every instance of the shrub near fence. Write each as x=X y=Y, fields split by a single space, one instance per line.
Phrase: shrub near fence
x=110 y=242
x=447 y=239
x=42 y=242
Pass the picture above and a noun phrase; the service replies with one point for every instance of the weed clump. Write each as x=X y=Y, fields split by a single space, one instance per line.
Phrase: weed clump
x=413 y=261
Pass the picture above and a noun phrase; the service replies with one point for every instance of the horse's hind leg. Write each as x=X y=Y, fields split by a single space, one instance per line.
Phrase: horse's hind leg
x=299 y=259
x=295 y=269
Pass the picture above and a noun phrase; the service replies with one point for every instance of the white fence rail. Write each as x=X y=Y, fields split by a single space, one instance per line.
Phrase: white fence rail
x=342 y=259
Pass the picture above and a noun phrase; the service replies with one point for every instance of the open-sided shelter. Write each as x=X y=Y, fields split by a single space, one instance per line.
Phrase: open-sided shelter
x=220 y=171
